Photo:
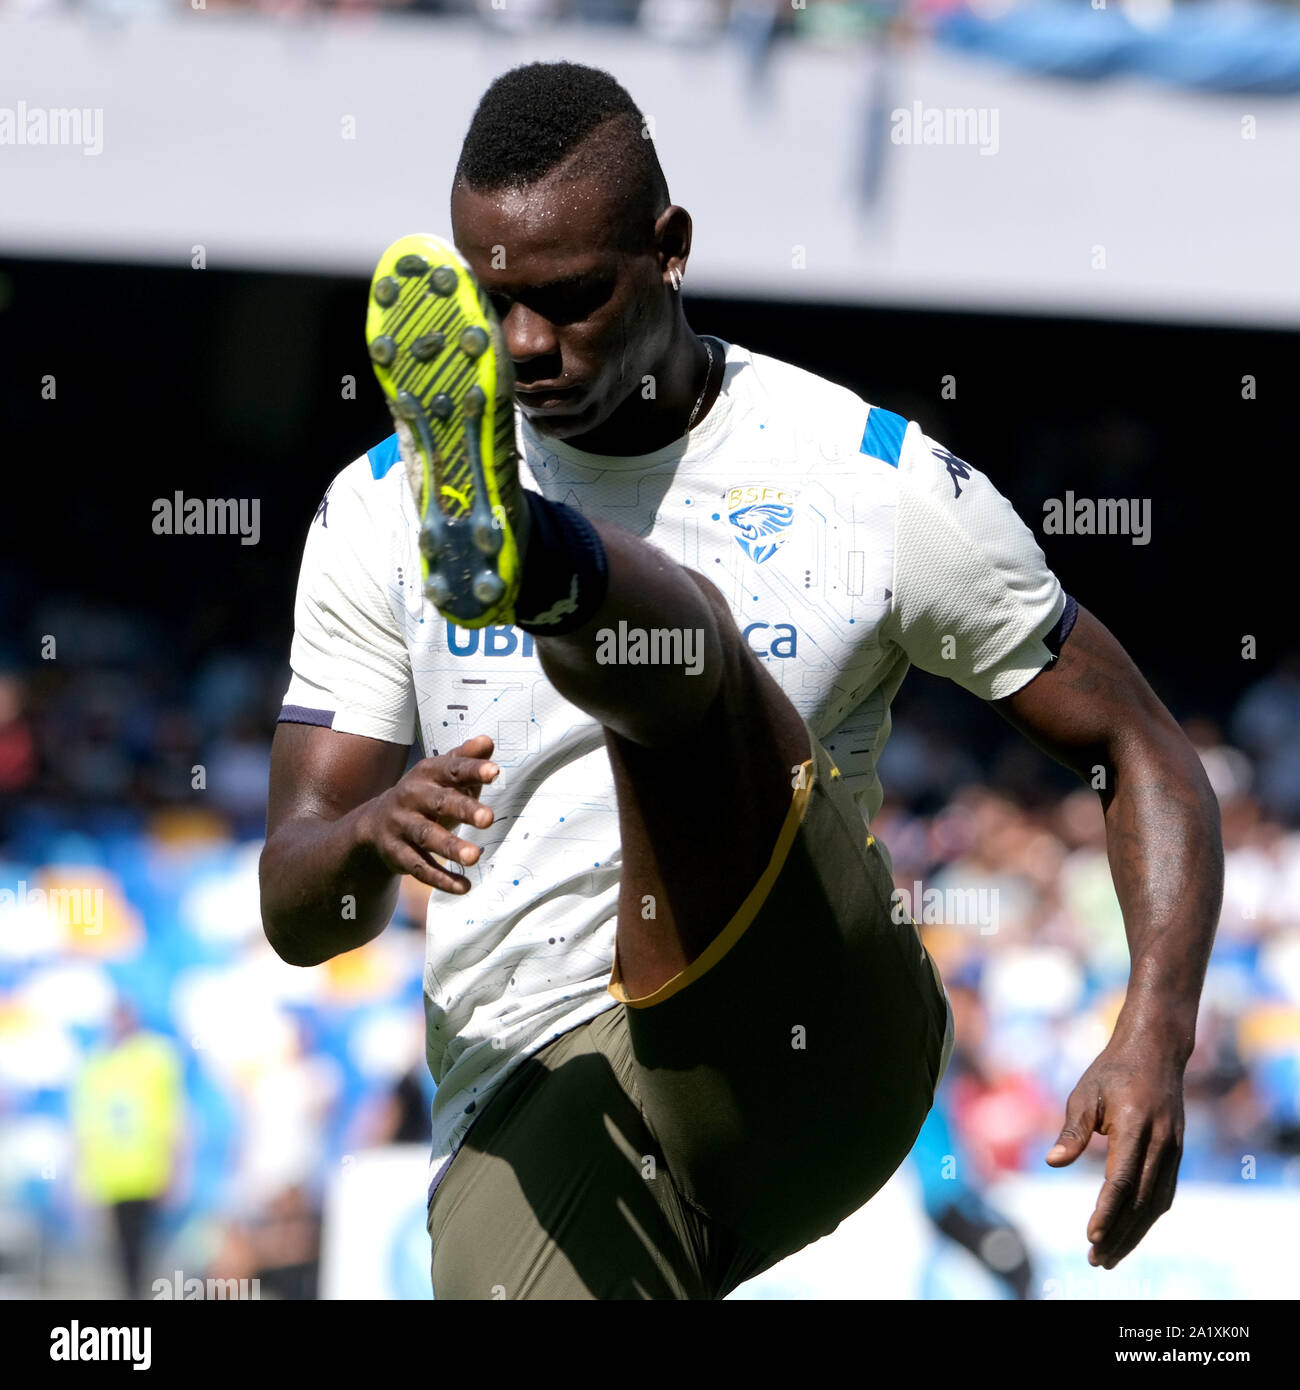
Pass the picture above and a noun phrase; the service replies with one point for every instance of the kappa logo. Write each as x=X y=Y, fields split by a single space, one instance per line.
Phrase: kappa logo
x=957 y=468
x=761 y=516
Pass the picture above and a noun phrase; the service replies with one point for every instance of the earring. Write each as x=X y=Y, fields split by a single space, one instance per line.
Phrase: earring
x=676 y=277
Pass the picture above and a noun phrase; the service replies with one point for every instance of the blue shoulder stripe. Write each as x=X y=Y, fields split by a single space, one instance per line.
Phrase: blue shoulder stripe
x=883 y=437
x=383 y=456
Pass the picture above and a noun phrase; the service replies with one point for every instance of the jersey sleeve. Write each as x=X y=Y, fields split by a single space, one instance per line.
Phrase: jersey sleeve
x=351 y=670
x=974 y=599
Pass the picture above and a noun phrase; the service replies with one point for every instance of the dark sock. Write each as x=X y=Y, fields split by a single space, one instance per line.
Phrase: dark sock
x=565 y=571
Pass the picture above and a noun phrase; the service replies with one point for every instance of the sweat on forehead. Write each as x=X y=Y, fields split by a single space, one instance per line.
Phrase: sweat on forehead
x=565 y=211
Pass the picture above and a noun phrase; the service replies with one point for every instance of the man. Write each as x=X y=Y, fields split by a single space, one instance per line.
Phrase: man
x=127 y=1112
x=674 y=745
x=957 y=1206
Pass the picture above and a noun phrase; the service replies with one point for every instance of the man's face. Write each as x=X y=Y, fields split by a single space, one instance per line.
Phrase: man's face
x=582 y=317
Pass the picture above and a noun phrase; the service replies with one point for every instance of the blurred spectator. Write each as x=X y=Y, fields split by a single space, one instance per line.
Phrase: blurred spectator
x=605 y=11
x=519 y=16
x=756 y=25
x=1228 y=769
x=682 y=21
x=290 y=1103
x=238 y=774
x=1266 y=723
x=403 y=1117
x=286 y=1246
x=275 y=1253
x=17 y=743
x=127 y=1115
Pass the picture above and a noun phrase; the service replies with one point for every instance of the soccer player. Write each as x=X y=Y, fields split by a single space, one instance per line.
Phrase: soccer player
x=647 y=597
x=957 y=1207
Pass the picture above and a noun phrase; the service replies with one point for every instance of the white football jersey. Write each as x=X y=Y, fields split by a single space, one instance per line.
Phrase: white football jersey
x=849 y=546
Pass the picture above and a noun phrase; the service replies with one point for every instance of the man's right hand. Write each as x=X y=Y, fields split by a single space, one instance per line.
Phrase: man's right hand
x=413 y=821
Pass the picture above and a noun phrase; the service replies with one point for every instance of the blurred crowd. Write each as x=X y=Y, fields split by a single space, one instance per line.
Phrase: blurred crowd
x=673 y=20
x=1030 y=940
x=175 y=1097
x=824 y=21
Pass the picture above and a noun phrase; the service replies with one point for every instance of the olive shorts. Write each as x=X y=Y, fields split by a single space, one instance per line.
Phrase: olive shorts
x=681 y=1143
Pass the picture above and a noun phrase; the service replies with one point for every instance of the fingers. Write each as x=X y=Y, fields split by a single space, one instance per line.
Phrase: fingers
x=449 y=786
x=478 y=746
x=458 y=770
x=421 y=839
x=454 y=808
x=1080 y=1125
x=469 y=765
x=420 y=815
x=1124 y=1167
x=446 y=788
x=408 y=860
x=428 y=837
x=1144 y=1205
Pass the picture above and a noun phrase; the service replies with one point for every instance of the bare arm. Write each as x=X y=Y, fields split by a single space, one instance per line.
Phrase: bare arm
x=1093 y=712
x=343 y=824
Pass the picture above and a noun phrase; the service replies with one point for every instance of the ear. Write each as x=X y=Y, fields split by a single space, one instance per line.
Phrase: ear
x=672 y=236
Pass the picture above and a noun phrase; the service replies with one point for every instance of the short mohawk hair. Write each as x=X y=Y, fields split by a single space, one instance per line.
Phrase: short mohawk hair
x=533 y=118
